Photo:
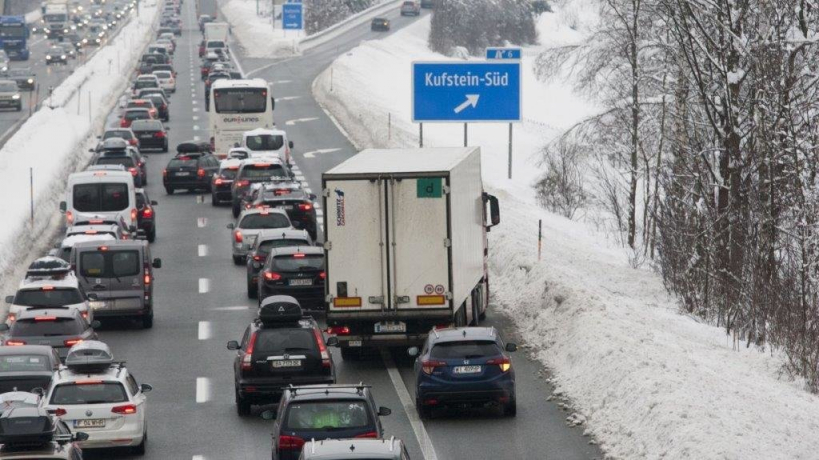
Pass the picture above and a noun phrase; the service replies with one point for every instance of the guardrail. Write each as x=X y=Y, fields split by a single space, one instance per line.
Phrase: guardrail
x=353 y=21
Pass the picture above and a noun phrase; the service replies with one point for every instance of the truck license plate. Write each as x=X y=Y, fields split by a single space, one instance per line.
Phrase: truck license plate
x=467 y=369
x=286 y=363
x=90 y=423
x=301 y=282
x=386 y=328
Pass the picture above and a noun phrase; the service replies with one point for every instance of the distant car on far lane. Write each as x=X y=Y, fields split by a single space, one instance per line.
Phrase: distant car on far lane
x=411 y=8
x=382 y=24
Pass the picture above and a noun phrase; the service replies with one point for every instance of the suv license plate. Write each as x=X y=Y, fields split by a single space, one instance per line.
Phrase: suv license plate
x=90 y=423
x=354 y=343
x=467 y=369
x=287 y=363
x=182 y=174
x=381 y=328
x=304 y=282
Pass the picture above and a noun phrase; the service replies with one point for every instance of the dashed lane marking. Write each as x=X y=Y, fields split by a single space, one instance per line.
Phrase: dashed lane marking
x=202 y=222
x=205 y=331
x=202 y=389
x=203 y=250
x=204 y=285
x=233 y=308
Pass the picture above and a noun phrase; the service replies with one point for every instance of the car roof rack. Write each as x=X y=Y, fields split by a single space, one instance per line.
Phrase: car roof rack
x=26 y=427
x=90 y=357
x=279 y=310
x=327 y=388
x=48 y=267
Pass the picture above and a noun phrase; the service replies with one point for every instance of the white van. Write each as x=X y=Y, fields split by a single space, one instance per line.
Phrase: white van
x=262 y=142
x=101 y=193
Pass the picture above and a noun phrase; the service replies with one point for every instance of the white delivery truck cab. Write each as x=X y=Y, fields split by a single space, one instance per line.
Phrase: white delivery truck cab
x=405 y=244
x=104 y=192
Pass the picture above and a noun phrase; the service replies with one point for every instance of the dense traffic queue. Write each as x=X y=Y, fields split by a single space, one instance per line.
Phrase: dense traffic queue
x=103 y=268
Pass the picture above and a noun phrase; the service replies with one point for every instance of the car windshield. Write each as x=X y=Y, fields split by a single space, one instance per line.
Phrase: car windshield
x=265 y=142
x=128 y=162
x=55 y=50
x=323 y=415
x=48 y=327
x=56 y=297
x=294 y=263
x=24 y=363
x=465 y=349
x=216 y=44
x=273 y=341
x=101 y=197
x=259 y=172
x=89 y=393
x=267 y=245
x=145 y=84
x=8 y=87
x=263 y=221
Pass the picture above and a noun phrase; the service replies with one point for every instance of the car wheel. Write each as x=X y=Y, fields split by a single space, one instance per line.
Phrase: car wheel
x=239 y=260
x=251 y=291
x=152 y=235
x=511 y=409
x=242 y=406
x=140 y=449
x=169 y=190
x=148 y=321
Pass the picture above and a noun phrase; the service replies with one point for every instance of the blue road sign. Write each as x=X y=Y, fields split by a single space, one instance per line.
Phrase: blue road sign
x=466 y=91
x=292 y=14
x=503 y=53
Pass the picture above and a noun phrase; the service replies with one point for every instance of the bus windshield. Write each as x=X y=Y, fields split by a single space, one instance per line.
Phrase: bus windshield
x=240 y=100
x=18 y=31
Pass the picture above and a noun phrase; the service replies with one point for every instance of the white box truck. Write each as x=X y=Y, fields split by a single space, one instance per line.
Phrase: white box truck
x=216 y=35
x=405 y=244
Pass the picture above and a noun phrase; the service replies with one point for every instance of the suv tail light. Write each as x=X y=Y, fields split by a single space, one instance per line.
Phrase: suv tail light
x=247 y=362
x=504 y=363
x=133 y=171
x=272 y=276
x=126 y=409
x=290 y=442
x=147 y=211
x=428 y=366
x=123 y=123
x=323 y=275
x=325 y=355
x=72 y=342
x=159 y=134
x=368 y=435
x=200 y=173
x=305 y=206
x=338 y=330
x=237 y=236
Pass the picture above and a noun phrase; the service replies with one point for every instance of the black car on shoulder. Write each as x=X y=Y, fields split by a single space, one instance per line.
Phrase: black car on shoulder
x=319 y=412
x=296 y=271
x=26 y=367
x=295 y=201
x=146 y=214
x=280 y=348
x=190 y=171
x=23 y=76
x=151 y=134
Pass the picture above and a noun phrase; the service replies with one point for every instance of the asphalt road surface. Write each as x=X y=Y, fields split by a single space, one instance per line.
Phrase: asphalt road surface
x=201 y=303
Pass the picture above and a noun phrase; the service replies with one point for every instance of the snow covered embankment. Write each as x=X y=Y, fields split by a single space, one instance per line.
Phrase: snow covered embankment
x=651 y=383
x=54 y=143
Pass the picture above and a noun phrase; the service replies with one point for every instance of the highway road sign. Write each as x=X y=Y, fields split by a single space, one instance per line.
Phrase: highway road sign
x=292 y=14
x=466 y=91
x=503 y=53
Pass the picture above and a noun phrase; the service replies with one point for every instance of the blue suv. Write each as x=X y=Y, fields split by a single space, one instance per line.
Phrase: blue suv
x=465 y=366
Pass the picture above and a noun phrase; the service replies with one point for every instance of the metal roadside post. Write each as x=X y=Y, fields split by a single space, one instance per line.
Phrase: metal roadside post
x=31 y=189
x=539 y=238
x=463 y=92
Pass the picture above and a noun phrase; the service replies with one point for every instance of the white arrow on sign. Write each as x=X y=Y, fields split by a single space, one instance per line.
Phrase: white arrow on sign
x=299 y=120
x=471 y=99
x=319 y=152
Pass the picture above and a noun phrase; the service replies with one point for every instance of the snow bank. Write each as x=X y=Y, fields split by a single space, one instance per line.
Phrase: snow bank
x=34 y=15
x=651 y=383
x=54 y=142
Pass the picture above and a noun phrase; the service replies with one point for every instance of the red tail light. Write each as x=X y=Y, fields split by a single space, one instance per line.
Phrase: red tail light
x=242 y=183
x=126 y=409
x=200 y=172
x=258 y=258
x=59 y=412
x=147 y=212
x=237 y=236
x=133 y=215
x=72 y=342
x=305 y=206
x=133 y=171
x=504 y=363
x=290 y=442
x=428 y=366
x=272 y=276
x=218 y=182
x=325 y=355
x=338 y=330
x=247 y=364
x=147 y=278
x=323 y=275
x=69 y=217
x=45 y=318
x=164 y=173
x=123 y=123
x=84 y=314
x=159 y=134
x=368 y=435
x=15 y=343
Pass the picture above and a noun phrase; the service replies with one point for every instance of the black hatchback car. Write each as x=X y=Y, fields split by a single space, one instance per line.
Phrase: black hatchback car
x=295 y=201
x=190 y=171
x=27 y=367
x=151 y=134
x=146 y=214
x=280 y=348
x=296 y=271
x=319 y=412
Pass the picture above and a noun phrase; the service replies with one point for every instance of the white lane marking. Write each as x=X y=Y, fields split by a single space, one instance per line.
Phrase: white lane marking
x=202 y=389
x=204 y=285
x=200 y=199
x=319 y=213
x=299 y=120
x=205 y=332
x=409 y=408
x=198 y=457
x=195 y=118
x=195 y=127
x=300 y=177
x=201 y=222
x=232 y=308
x=338 y=126
x=194 y=102
x=317 y=205
x=255 y=71
x=195 y=109
x=319 y=152
x=203 y=250
x=308 y=190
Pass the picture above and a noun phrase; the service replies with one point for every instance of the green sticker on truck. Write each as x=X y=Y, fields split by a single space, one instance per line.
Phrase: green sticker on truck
x=430 y=187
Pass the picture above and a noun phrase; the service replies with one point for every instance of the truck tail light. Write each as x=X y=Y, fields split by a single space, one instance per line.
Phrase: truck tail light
x=247 y=364
x=325 y=355
x=428 y=366
x=133 y=215
x=69 y=217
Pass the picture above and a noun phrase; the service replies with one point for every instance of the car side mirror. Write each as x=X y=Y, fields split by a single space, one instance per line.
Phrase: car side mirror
x=233 y=345
x=146 y=388
x=154 y=203
x=81 y=436
x=4 y=327
x=63 y=206
x=511 y=347
x=230 y=226
x=413 y=351
x=494 y=210
x=92 y=296
x=95 y=324
x=268 y=415
x=384 y=411
x=290 y=144
x=9 y=299
x=312 y=197
x=157 y=263
x=332 y=341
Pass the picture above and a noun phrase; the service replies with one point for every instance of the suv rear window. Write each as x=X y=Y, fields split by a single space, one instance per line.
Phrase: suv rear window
x=320 y=415
x=178 y=163
x=264 y=221
x=57 y=297
x=93 y=393
x=24 y=363
x=259 y=172
x=465 y=349
x=264 y=142
x=268 y=245
x=32 y=328
x=294 y=264
x=270 y=341
x=100 y=197
x=109 y=264
x=128 y=162
x=122 y=134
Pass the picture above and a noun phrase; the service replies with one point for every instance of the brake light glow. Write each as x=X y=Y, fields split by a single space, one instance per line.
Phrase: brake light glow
x=147 y=212
x=428 y=366
x=72 y=342
x=299 y=255
x=237 y=236
x=147 y=278
x=323 y=275
x=103 y=248
x=290 y=442
x=325 y=355
x=133 y=215
x=242 y=183
x=15 y=343
x=11 y=317
x=88 y=382
x=368 y=435
x=47 y=288
x=504 y=363
x=126 y=409
x=69 y=217
x=200 y=172
x=305 y=206
x=159 y=134
x=133 y=171
x=59 y=412
x=338 y=330
x=218 y=182
x=84 y=315
x=272 y=276
x=258 y=258
x=95 y=221
x=45 y=318
x=246 y=359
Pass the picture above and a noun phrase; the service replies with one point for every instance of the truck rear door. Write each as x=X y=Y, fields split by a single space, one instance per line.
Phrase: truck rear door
x=356 y=255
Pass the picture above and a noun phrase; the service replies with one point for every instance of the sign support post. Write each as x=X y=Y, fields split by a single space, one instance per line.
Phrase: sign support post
x=510 y=150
